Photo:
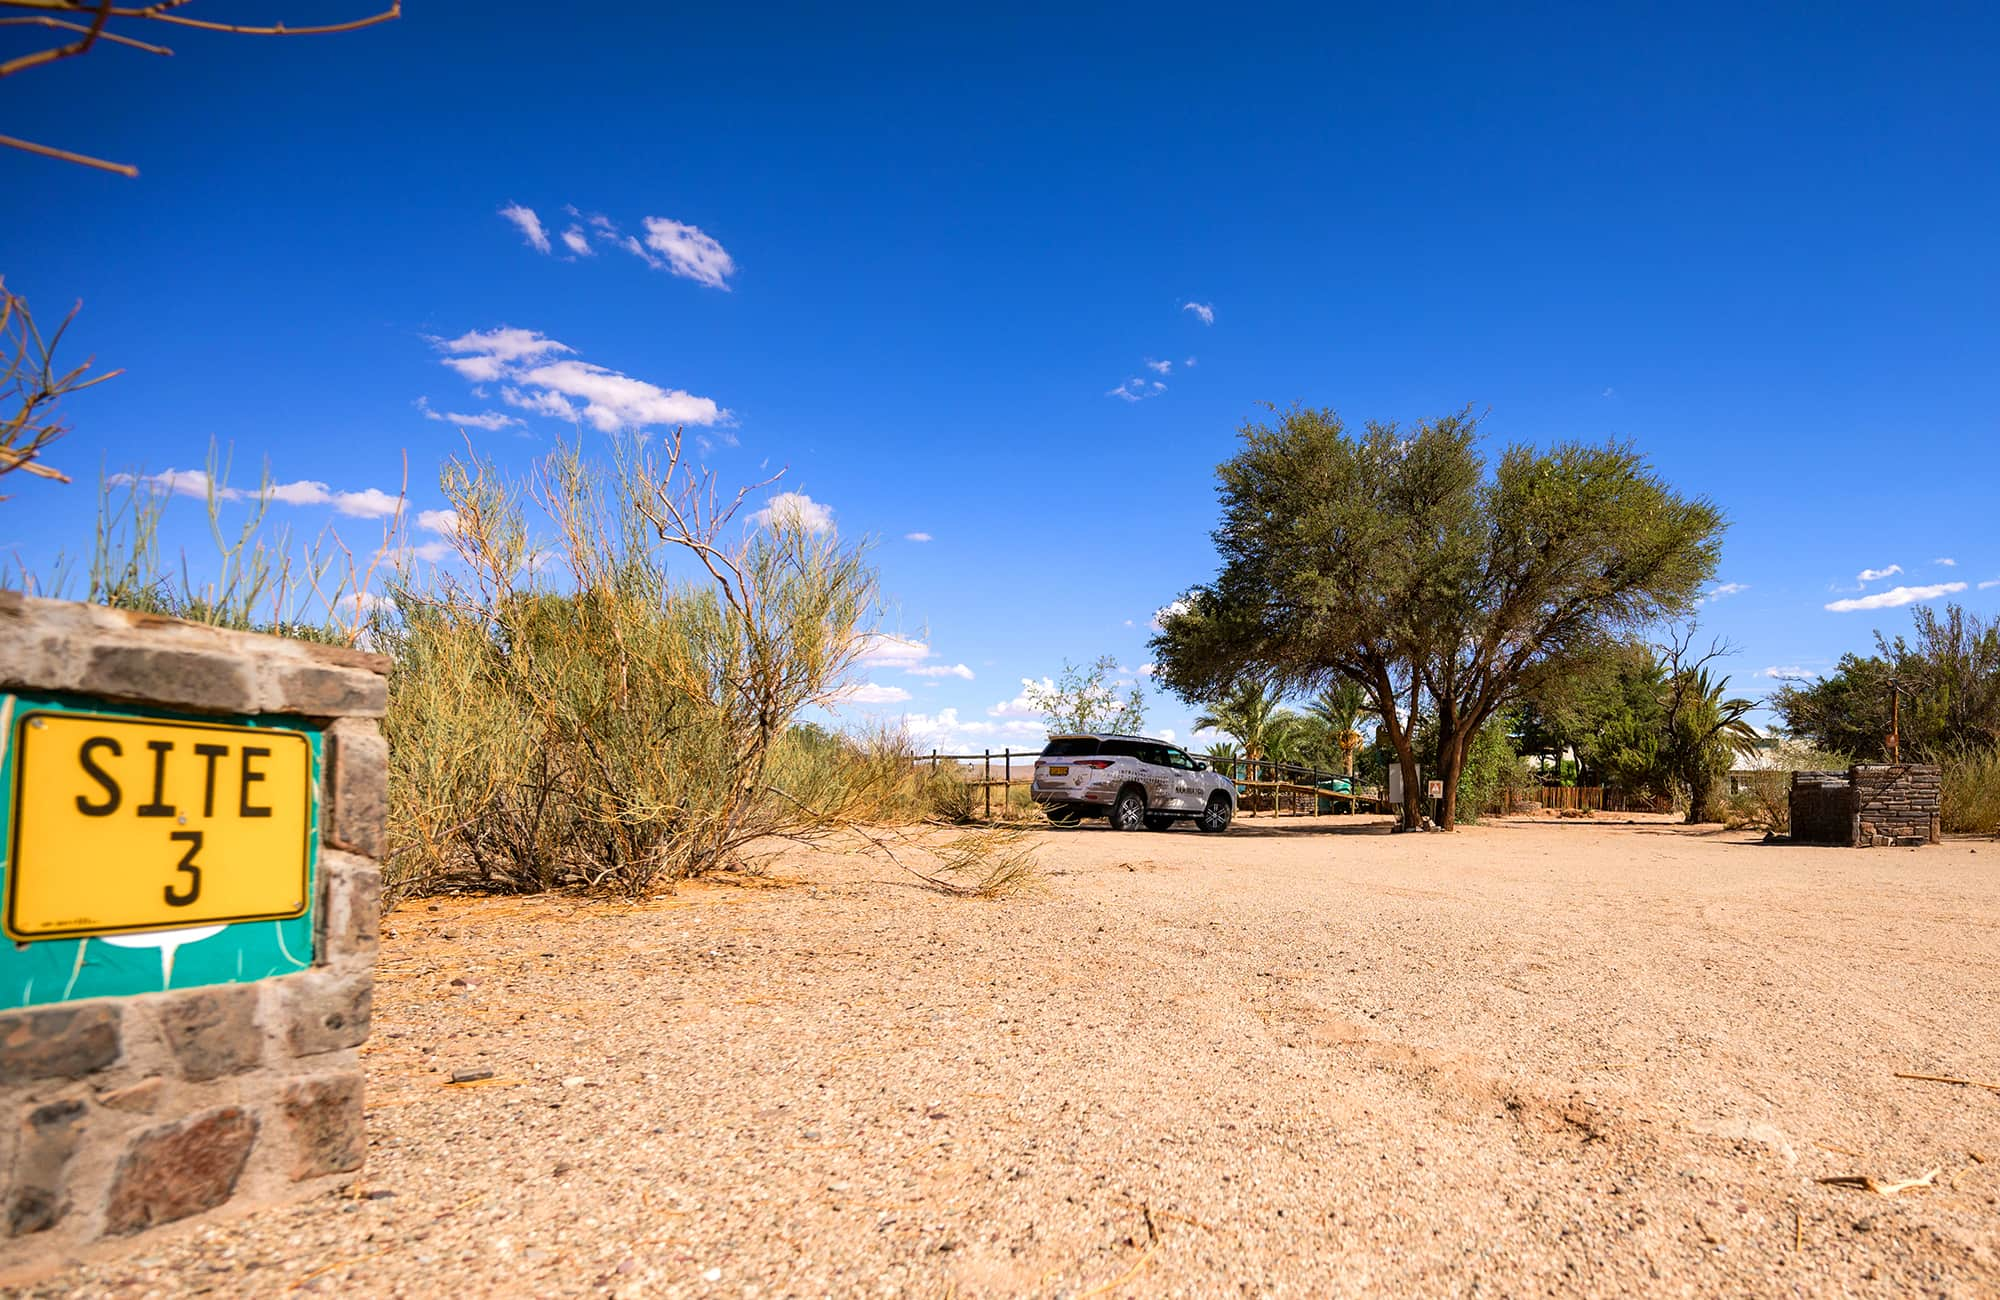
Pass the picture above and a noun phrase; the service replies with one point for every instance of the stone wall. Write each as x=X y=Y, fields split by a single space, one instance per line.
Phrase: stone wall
x=1871 y=805
x=1822 y=807
x=118 y=1114
x=1897 y=803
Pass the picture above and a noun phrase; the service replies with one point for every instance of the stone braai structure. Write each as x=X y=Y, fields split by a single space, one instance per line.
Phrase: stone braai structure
x=122 y=1113
x=1871 y=805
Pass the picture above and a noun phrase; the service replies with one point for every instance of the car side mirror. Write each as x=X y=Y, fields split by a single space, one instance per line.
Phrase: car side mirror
x=1201 y=767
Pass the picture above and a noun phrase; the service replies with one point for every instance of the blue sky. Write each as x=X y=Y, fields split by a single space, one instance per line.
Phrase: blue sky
x=924 y=258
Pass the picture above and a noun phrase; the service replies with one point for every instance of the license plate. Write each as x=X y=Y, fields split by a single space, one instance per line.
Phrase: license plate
x=1059 y=770
x=129 y=824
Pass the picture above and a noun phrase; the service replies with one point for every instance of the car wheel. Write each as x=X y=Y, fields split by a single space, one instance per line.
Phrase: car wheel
x=1215 y=818
x=1158 y=823
x=1062 y=814
x=1129 y=813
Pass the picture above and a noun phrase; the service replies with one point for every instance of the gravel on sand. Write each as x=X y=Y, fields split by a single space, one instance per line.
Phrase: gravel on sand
x=1306 y=1058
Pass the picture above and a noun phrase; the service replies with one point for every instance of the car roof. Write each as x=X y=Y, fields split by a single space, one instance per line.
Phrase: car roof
x=1108 y=735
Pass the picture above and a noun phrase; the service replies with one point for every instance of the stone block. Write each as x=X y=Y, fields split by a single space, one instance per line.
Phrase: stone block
x=170 y=676
x=356 y=806
x=181 y=1169
x=323 y=1119
x=37 y=1198
x=139 y=1098
x=324 y=691
x=325 y=1012
x=213 y=1031
x=57 y=1042
x=351 y=908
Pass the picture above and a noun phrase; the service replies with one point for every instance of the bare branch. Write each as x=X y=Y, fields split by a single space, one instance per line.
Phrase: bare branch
x=105 y=12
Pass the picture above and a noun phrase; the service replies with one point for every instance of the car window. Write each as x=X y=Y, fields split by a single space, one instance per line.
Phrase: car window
x=1154 y=754
x=1119 y=749
x=1073 y=747
x=1177 y=759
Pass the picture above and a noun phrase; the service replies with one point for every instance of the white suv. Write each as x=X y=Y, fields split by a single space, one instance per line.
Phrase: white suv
x=1136 y=782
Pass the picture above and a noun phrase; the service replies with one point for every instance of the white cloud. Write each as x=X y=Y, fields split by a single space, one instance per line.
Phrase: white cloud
x=363 y=602
x=1946 y=561
x=917 y=537
x=945 y=731
x=1788 y=673
x=530 y=224
x=1876 y=575
x=304 y=492
x=796 y=510
x=1895 y=597
x=1164 y=733
x=577 y=242
x=1136 y=390
x=1021 y=706
x=1189 y=363
x=1160 y=367
x=1147 y=670
x=438 y=521
x=611 y=401
x=886 y=648
x=368 y=503
x=490 y=421
x=1165 y=612
x=1204 y=310
x=1989 y=584
x=1723 y=590
x=868 y=693
x=483 y=355
x=685 y=251
x=553 y=405
x=941 y=670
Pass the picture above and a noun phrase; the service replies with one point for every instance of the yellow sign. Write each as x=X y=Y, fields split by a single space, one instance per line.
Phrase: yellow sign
x=124 y=824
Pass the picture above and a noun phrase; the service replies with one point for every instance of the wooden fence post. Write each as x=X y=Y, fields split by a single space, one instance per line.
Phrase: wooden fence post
x=987 y=783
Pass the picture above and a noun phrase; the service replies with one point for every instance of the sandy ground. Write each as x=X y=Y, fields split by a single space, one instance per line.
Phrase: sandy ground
x=1306 y=1058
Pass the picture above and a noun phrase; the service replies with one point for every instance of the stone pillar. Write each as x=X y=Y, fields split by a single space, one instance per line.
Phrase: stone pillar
x=1897 y=803
x=147 y=1076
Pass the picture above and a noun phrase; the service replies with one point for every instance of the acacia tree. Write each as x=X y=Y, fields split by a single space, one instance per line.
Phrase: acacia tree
x=1391 y=558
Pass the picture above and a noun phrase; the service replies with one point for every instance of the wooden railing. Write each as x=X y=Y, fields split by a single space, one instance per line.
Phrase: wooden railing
x=1262 y=786
x=1584 y=798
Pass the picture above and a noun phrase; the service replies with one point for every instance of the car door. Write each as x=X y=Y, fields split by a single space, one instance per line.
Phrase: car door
x=1157 y=774
x=1188 y=789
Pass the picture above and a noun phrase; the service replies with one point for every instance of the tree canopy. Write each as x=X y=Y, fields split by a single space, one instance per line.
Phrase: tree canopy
x=1399 y=560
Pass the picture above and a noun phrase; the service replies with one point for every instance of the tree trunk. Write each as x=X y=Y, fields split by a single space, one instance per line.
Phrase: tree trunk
x=1699 y=791
x=1451 y=761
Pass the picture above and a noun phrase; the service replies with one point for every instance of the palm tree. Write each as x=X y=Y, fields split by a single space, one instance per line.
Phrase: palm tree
x=1704 y=733
x=1342 y=708
x=1253 y=715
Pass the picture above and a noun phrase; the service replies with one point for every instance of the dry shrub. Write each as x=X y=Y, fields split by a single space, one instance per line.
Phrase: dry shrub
x=1971 y=802
x=589 y=714
x=595 y=715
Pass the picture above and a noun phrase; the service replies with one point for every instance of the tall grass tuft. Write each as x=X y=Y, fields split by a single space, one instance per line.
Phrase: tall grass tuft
x=1971 y=803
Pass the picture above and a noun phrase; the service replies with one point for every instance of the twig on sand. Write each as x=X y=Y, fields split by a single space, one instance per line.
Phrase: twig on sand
x=1946 y=1078
x=1869 y=1184
x=1124 y=1277
x=1798 y=1234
